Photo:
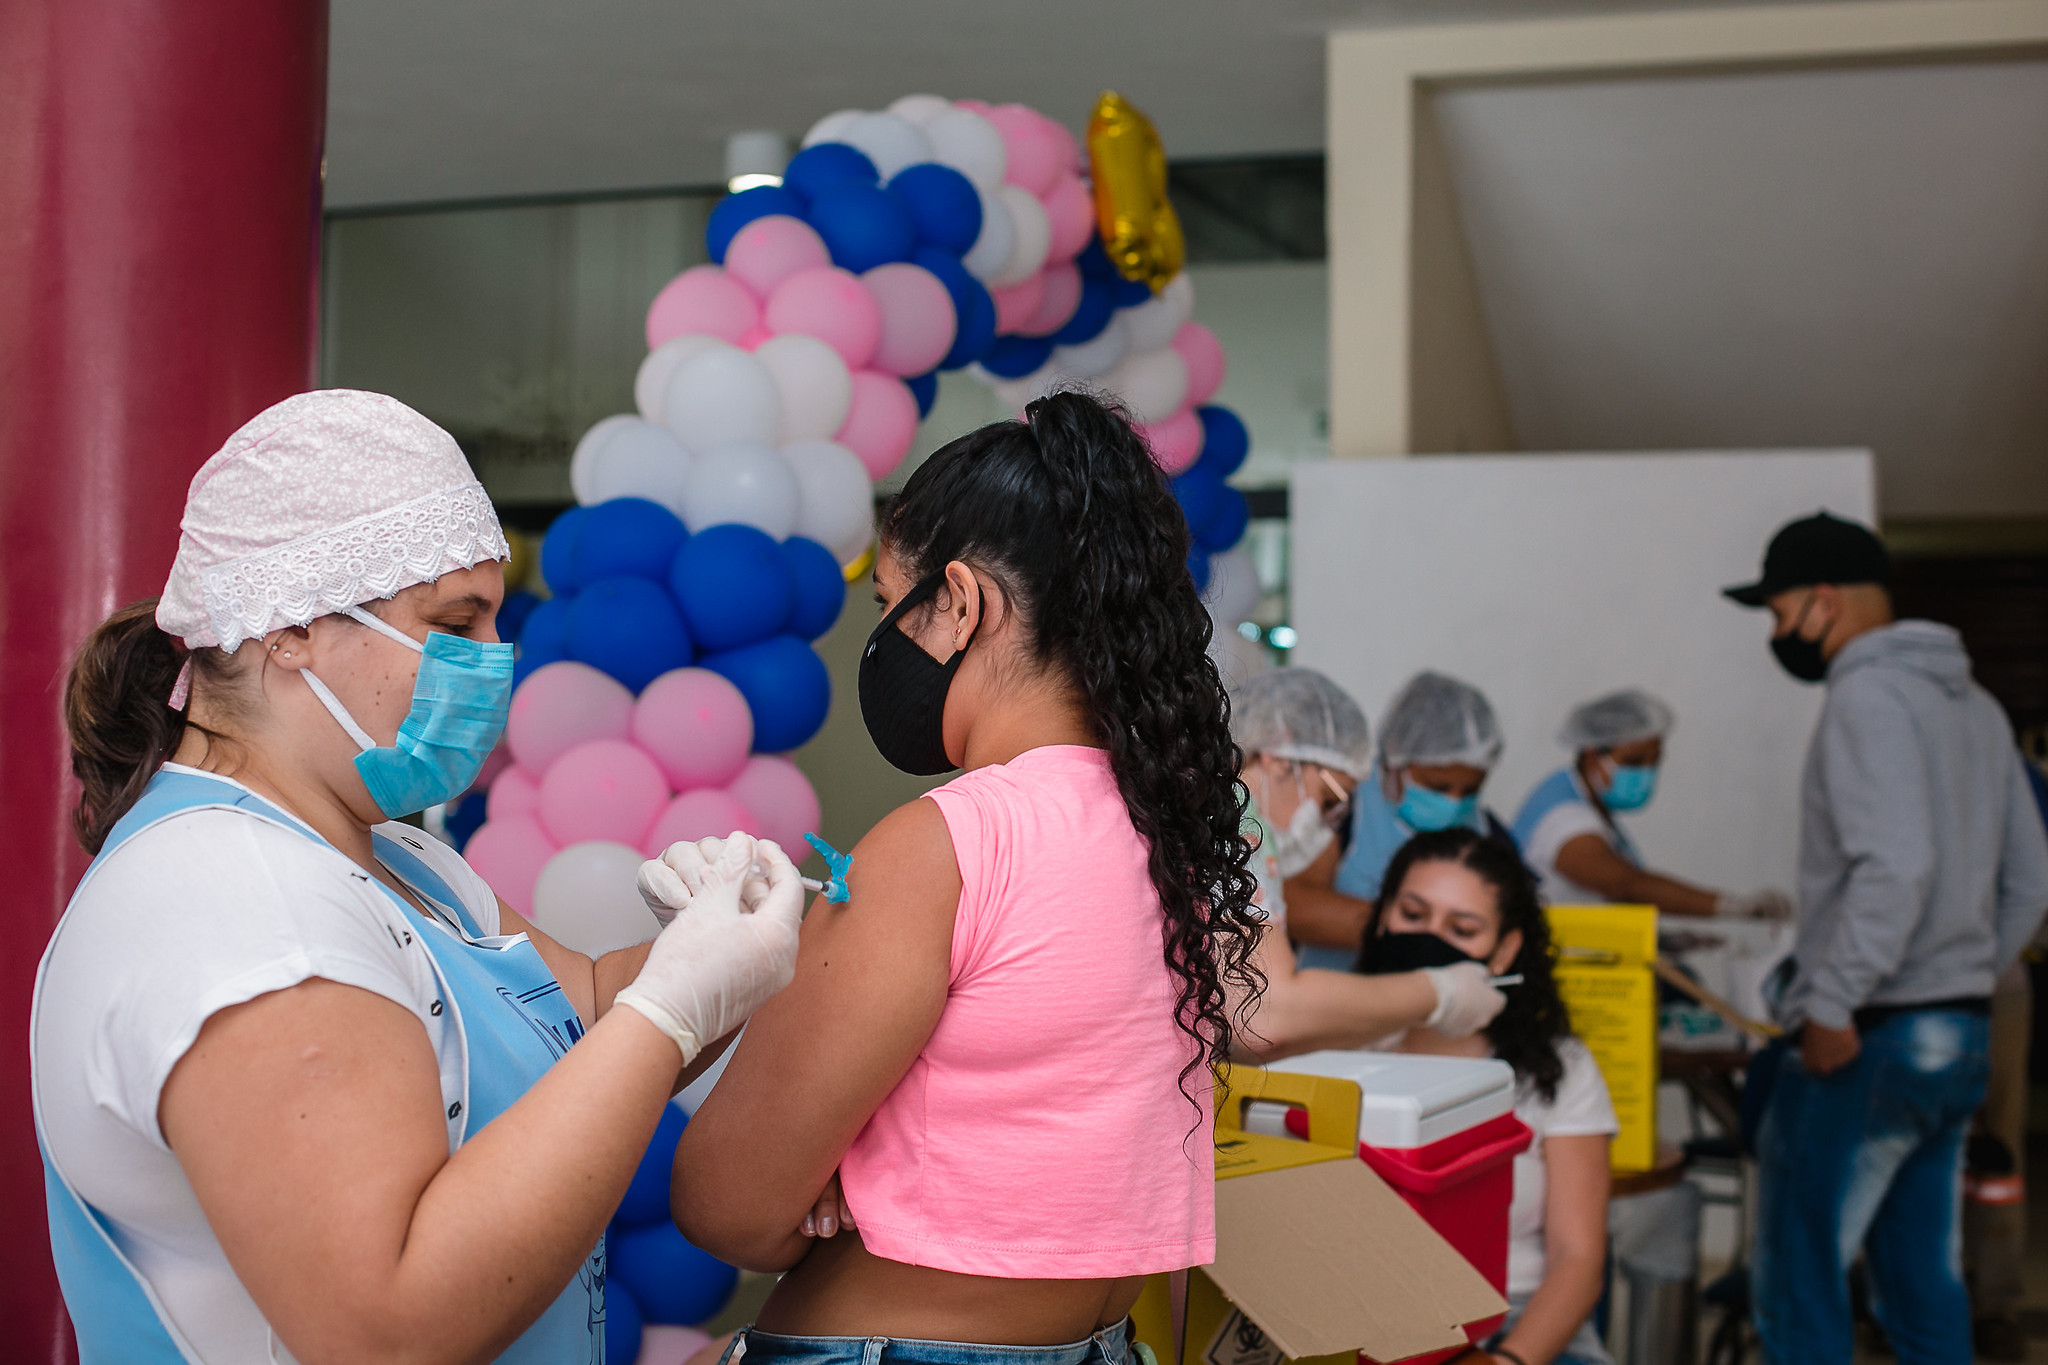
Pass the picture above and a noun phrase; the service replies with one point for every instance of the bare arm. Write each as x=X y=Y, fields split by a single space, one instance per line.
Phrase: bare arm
x=1574 y=1247
x=1303 y=1010
x=871 y=981
x=590 y=984
x=1592 y=862
x=1319 y=913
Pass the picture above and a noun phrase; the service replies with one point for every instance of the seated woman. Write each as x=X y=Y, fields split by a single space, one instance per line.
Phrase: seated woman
x=1569 y=836
x=1455 y=896
x=990 y=1076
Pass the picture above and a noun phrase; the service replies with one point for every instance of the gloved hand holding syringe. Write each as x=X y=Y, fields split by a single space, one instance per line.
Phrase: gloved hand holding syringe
x=664 y=889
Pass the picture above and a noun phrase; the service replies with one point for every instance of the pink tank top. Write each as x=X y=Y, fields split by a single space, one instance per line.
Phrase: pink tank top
x=1042 y=1132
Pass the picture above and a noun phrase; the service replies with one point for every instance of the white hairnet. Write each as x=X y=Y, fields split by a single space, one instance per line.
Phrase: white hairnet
x=1618 y=718
x=1435 y=718
x=1298 y=713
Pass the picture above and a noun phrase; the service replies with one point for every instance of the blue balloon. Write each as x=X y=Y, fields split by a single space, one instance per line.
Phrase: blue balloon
x=1091 y=314
x=672 y=1281
x=1198 y=567
x=513 y=611
x=1131 y=293
x=1225 y=442
x=1225 y=525
x=544 y=639
x=629 y=628
x=942 y=204
x=925 y=389
x=630 y=536
x=734 y=586
x=818 y=168
x=735 y=211
x=1015 y=357
x=646 y=1198
x=1199 y=495
x=786 y=687
x=623 y=1325
x=1094 y=261
x=465 y=816
x=558 y=552
x=820 y=587
x=973 y=310
x=863 y=226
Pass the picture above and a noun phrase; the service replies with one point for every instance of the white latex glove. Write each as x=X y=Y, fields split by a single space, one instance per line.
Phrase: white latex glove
x=730 y=944
x=661 y=881
x=1465 y=1001
x=1766 y=904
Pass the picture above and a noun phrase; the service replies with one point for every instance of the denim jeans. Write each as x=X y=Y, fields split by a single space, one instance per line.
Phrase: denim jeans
x=1870 y=1157
x=755 y=1347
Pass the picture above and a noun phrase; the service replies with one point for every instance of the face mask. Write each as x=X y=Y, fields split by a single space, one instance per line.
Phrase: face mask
x=459 y=703
x=1630 y=788
x=1388 y=953
x=1425 y=808
x=1801 y=658
x=1303 y=841
x=903 y=691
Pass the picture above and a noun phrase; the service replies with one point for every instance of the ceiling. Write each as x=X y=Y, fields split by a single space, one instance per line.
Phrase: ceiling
x=464 y=99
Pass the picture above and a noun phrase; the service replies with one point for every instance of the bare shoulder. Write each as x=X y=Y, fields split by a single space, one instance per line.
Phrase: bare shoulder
x=909 y=844
x=903 y=887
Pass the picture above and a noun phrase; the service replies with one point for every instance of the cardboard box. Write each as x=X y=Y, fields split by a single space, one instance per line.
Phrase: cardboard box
x=1316 y=1258
x=1603 y=972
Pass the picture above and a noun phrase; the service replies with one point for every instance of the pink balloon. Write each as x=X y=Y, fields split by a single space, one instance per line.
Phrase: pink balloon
x=980 y=107
x=561 y=705
x=661 y=1344
x=1034 y=153
x=702 y=299
x=696 y=725
x=881 y=421
x=499 y=759
x=1018 y=305
x=1176 y=442
x=752 y=340
x=784 y=803
x=1070 y=211
x=1070 y=150
x=832 y=305
x=607 y=789
x=697 y=815
x=769 y=250
x=1203 y=353
x=917 y=318
x=515 y=792
x=1061 y=283
x=509 y=854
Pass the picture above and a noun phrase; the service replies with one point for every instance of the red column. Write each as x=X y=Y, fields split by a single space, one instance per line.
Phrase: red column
x=159 y=247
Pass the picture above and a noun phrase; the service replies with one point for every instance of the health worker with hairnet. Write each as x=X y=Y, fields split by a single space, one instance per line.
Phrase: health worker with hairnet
x=1568 y=832
x=1306 y=747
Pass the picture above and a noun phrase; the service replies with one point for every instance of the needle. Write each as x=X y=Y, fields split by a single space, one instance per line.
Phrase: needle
x=1514 y=979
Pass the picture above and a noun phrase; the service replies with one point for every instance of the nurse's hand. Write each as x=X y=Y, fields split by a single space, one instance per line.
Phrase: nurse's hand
x=1766 y=904
x=1466 y=999
x=730 y=943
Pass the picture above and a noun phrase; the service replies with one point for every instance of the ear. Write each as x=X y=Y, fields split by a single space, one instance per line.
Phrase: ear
x=965 y=600
x=1505 y=952
x=290 y=649
x=1828 y=598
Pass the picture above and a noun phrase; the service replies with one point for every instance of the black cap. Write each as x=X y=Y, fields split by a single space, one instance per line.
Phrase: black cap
x=1816 y=549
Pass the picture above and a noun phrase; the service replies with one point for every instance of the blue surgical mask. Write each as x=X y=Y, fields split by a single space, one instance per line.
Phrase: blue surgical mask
x=459 y=704
x=1630 y=788
x=1426 y=808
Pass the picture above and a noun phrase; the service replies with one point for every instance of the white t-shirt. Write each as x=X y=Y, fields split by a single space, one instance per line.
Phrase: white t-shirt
x=205 y=910
x=1581 y=1108
x=1560 y=825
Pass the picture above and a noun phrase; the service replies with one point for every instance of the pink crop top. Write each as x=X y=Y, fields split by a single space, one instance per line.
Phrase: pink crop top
x=1042 y=1132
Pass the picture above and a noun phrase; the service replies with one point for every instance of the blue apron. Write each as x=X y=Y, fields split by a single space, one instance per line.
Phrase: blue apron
x=509 y=1015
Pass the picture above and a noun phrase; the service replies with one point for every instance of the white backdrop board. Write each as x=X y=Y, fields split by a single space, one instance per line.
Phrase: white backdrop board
x=1547 y=580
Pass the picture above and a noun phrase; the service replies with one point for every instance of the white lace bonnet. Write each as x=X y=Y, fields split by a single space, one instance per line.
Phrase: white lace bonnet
x=320 y=503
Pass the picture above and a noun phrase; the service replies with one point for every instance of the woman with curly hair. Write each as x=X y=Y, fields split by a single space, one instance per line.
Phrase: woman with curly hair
x=1454 y=896
x=991 y=1075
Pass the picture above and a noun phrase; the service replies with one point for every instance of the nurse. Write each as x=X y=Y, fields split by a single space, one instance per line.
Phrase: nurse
x=1567 y=828
x=1437 y=745
x=304 y=1086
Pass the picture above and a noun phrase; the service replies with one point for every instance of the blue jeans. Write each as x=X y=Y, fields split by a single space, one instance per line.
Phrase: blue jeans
x=1870 y=1157
x=755 y=1347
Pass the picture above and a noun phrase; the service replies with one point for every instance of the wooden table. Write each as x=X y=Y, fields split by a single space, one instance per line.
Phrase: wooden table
x=1668 y=1171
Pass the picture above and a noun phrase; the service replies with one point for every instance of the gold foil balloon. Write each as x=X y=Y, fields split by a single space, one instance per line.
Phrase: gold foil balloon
x=1139 y=229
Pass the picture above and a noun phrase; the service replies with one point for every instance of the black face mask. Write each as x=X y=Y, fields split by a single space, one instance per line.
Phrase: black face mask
x=903 y=690
x=1387 y=953
x=1800 y=657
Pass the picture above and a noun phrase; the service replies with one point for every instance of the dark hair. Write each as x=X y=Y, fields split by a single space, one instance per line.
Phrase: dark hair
x=1526 y=1032
x=117 y=710
x=1069 y=512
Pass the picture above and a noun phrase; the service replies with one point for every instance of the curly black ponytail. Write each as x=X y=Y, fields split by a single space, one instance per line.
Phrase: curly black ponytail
x=1069 y=512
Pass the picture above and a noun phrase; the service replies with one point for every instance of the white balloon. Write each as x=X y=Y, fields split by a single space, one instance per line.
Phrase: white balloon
x=835 y=497
x=1233 y=591
x=721 y=396
x=1016 y=393
x=1033 y=233
x=855 y=545
x=1152 y=323
x=920 y=109
x=1151 y=383
x=970 y=144
x=832 y=127
x=586 y=451
x=814 y=385
x=890 y=141
x=1096 y=356
x=640 y=460
x=991 y=250
x=588 y=898
x=650 y=383
x=745 y=481
x=1238 y=660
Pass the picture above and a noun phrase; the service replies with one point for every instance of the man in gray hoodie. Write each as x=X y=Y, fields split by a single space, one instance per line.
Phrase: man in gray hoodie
x=1923 y=870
